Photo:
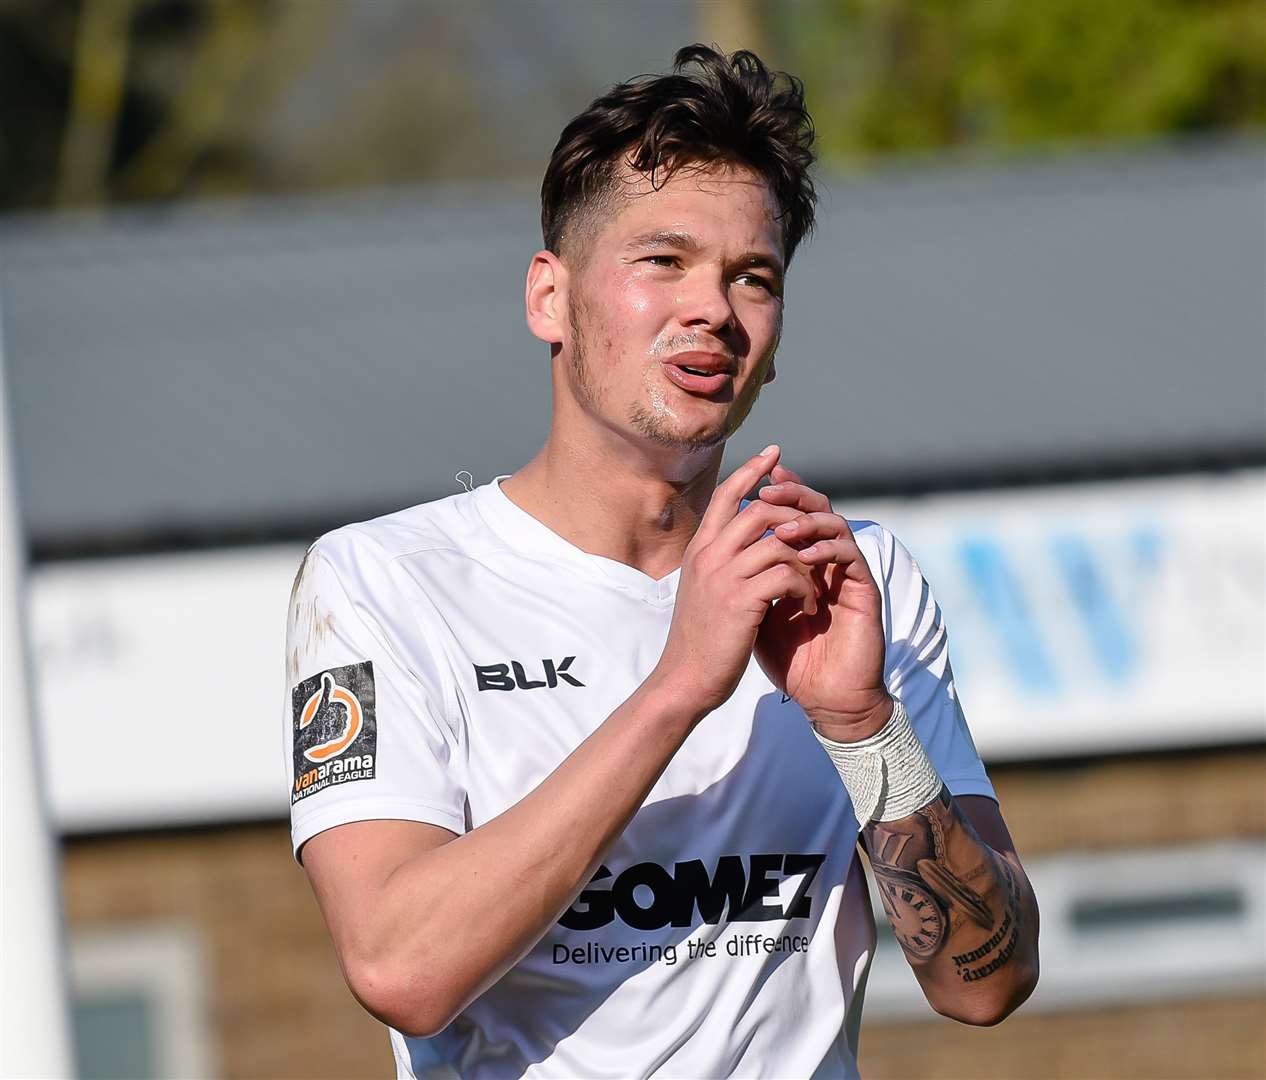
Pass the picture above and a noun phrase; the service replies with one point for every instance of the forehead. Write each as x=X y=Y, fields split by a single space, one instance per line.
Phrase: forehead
x=721 y=204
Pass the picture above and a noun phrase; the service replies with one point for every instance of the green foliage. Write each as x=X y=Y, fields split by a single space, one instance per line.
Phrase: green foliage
x=914 y=75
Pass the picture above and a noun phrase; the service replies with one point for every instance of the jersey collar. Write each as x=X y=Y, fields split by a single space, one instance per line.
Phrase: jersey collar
x=521 y=530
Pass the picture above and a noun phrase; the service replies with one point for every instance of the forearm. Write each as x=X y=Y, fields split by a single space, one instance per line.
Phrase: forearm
x=963 y=912
x=450 y=921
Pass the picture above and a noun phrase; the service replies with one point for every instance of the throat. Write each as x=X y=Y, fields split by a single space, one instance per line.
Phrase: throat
x=613 y=509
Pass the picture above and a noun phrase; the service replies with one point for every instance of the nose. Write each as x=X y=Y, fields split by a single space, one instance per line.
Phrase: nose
x=704 y=302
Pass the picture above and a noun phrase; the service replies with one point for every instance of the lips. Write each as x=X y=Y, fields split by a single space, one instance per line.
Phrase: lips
x=703 y=373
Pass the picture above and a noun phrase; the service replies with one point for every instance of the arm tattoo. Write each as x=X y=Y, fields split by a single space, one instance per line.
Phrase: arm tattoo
x=945 y=890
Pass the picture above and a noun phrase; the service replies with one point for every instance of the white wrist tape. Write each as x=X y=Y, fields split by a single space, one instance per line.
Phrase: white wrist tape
x=889 y=775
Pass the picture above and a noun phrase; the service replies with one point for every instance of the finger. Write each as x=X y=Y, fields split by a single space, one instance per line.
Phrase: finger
x=842 y=553
x=766 y=552
x=730 y=493
x=782 y=581
x=781 y=473
x=791 y=493
x=770 y=553
x=750 y=524
x=813 y=526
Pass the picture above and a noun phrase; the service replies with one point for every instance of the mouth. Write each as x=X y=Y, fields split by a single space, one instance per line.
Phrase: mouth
x=699 y=372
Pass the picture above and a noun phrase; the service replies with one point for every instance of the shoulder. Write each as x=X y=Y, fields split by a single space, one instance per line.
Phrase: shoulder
x=889 y=559
x=359 y=563
x=352 y=586
x=910 y=610
x=373 y=545
x=439 y=523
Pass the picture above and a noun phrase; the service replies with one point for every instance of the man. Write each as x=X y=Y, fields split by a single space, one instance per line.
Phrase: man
x=558 y=743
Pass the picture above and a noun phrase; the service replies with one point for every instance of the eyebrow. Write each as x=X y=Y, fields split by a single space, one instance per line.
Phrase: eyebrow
x=668 y=238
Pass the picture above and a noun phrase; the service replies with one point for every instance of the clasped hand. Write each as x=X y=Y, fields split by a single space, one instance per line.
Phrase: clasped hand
x=832 y=661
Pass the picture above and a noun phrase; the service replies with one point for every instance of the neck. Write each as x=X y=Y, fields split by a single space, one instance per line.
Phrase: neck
x=637 y=504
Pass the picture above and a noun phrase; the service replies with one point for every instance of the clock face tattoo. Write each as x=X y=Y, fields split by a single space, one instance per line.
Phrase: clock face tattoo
x=916 y=916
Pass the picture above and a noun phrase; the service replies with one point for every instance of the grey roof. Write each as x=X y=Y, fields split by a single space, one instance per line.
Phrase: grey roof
x=284 y=363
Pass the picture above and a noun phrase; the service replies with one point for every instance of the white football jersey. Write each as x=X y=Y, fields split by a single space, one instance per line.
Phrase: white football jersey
x=442 y=661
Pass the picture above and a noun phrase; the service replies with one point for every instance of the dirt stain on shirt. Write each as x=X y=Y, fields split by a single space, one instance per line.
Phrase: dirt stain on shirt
x=309 y=625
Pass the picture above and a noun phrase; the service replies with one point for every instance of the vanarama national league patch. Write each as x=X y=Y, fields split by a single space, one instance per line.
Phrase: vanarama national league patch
x=335 y=730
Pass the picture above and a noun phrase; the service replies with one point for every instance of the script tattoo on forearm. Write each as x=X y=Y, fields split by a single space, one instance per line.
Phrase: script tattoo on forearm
x=946 y=892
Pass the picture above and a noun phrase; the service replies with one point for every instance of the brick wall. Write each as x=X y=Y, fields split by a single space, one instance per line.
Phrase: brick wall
x=279 y=1006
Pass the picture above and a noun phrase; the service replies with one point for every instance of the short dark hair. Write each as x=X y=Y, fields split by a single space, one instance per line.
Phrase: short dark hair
x=731 y=110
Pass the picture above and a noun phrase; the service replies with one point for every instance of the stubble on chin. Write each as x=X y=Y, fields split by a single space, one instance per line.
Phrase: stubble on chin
x=657 y=427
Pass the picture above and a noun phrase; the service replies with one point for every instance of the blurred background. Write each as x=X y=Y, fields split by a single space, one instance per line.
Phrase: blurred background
x=261 y=271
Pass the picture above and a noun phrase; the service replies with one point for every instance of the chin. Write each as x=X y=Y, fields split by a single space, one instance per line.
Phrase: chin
x=667 y=429
x=684 y=427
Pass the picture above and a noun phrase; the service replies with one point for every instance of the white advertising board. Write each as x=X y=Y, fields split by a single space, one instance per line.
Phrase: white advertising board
x=1099 y=617
x=161 y=685
x=1082 y=620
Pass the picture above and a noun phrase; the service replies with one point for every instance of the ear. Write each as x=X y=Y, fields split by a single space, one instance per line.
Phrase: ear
x=545 y=298
x=771 y=374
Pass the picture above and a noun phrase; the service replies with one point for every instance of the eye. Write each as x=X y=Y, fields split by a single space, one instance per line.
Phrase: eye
x=757 y=280
x=661 y=260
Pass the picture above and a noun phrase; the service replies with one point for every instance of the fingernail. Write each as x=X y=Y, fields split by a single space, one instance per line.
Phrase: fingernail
x=769 y=450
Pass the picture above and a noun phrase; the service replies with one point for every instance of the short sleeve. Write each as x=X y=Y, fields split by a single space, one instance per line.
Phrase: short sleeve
x=917 y=670
x=367 y=732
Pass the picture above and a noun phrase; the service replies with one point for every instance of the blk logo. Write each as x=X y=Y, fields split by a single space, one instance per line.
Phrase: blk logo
x=513 y=676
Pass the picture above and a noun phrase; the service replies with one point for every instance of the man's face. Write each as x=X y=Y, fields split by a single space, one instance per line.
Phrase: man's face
x=693 y=268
